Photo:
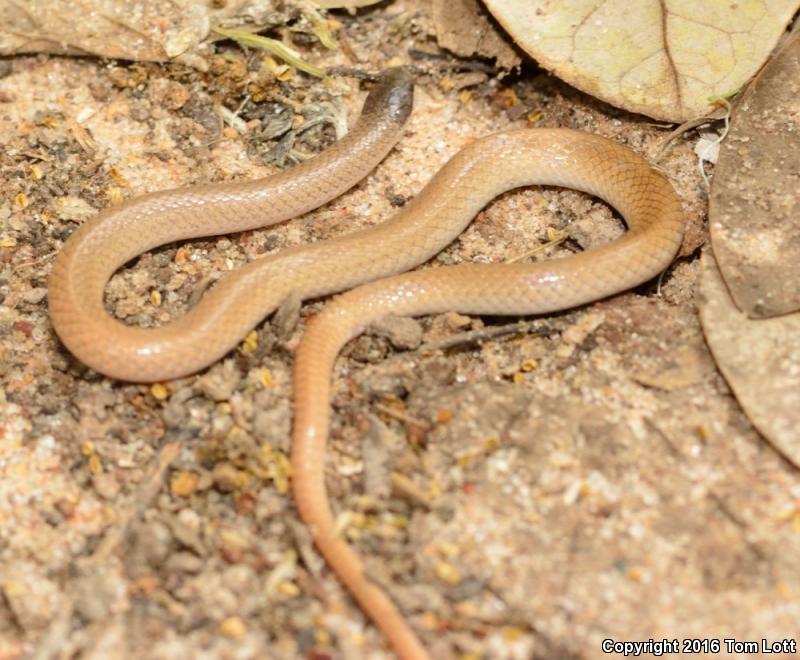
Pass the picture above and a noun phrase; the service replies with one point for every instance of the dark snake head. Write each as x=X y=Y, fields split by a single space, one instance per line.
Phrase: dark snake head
x=393 y=95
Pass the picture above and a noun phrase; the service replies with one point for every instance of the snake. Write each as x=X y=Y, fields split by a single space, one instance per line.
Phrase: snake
x=373 y=268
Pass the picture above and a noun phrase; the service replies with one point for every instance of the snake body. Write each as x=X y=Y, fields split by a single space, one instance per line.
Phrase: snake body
x=473 y=177
x=241 y=298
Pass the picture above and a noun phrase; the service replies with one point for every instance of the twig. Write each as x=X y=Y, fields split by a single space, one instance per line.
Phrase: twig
x=351 y=72
x=450 y=63
x=475 y=336
x=723 y=113
x=407 y=489
x=403 y=417
x=684 y=128
x=560 y=238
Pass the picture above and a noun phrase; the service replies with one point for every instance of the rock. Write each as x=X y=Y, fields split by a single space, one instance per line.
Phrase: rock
x=221 y=382
x=403 y=333
x=226 y=477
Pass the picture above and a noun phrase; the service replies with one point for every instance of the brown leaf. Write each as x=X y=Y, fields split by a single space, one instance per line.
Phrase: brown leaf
x=754 y=208
x=127 y=29
x=760 y=359
x=463 y=28
x=143 y=30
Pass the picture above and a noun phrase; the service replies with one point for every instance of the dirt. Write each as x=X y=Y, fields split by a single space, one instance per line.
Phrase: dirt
x=581 y=477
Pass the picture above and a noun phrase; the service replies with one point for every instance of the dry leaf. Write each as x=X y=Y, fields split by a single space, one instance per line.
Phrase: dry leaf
x=661 y=58
x=464 y=29
x=144 y=30
x=760 y=359
x=126 y=29
x=754 y=207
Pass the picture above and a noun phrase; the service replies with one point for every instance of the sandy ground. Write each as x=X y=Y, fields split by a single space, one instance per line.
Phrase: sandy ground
x=586 y=477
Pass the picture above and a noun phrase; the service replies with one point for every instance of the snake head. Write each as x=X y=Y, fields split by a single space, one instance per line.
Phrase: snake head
x=393 y=95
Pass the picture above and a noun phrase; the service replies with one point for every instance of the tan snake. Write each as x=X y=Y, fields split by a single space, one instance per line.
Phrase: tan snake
x=241 y=299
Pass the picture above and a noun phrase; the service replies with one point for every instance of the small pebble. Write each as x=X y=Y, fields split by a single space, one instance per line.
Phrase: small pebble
x=221 y=382
x=35 y=296
x=106 y=485
x=159 y=391
x=403 y=333
x=227 y=478
x=233 y=627
x=456 y=321
x=184 y=483
x=184 y=562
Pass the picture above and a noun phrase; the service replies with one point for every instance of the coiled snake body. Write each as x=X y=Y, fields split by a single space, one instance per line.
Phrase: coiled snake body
x=241 y=299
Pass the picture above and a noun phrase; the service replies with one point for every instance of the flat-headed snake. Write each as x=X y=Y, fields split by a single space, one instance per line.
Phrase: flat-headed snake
x=242 y=298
